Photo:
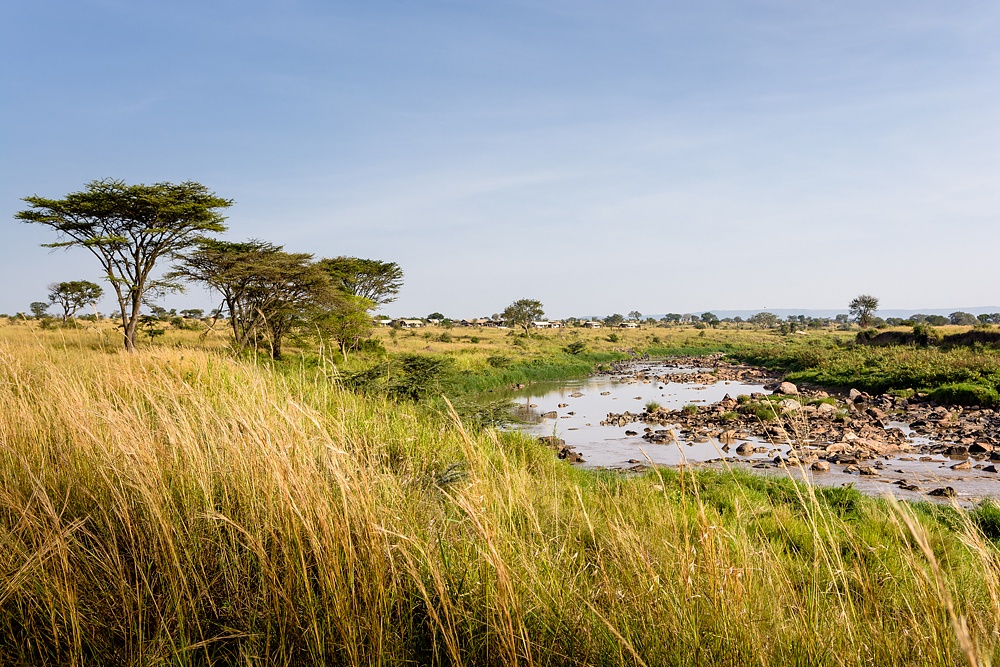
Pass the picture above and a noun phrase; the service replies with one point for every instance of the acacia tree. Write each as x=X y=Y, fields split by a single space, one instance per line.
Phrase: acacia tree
x=523 y=312
x=267 y=292
x=348 y=323
x=74 y=295
x=229 y=268
x=128 y=228
x=371 y=279
x=614 y=320
x=765 y=320
x=38 y=309
x=963 y=319
x=863 y=308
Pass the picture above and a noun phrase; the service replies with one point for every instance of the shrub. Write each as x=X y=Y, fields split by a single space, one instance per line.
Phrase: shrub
x=690 y=409
x=820 y=401
x=445 y=337
x=763 y=411
x=986 y=516
x=576 y=347
x=612 y=338
x=652 y=406
x=371 y=346
x=966 y=393
x=498 y=361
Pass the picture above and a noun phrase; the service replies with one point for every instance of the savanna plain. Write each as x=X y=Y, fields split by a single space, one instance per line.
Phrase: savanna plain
x=185 y=505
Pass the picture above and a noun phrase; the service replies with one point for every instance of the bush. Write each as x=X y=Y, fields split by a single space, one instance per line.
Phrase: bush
x=652 y=406
x=690 y=409
x=445 y=337
x=371 y=346
x=576 y=347
x=763 y=411
x=966 y=393
x=986 y=516
x=498 y=361
x=612 y=338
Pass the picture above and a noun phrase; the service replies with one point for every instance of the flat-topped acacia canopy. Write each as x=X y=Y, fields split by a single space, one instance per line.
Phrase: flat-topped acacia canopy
x=128 y=228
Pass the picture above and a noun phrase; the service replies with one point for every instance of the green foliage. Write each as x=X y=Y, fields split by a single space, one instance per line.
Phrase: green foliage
x=372 y=347
x=960 y=318
x=523 y=312
x=575 y=347
x=73 y=295
x=690 y=409
x=271 y=294
x=129 y=228
x=763 y=410
x=344 y=318
x=38 y=309
x=874 y=369
x=652 y=406
x=765 y=320
x=375 y=280
x=986 y=517
x=924 y=335
x=612 y=338
x=967 y=393
x=498 y=361
x=409 y=377
x=150 y=326
x=863 y=308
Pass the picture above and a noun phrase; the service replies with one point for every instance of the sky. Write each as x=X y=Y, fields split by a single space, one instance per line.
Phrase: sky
x=600 y=157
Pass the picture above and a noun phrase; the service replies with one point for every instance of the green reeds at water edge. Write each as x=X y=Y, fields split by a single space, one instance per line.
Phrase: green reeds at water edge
x=176 y=507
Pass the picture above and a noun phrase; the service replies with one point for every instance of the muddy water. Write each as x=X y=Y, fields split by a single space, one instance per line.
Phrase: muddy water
x=589 y=401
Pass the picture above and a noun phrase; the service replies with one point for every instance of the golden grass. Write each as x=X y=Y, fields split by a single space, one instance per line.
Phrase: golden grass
x=179 y=507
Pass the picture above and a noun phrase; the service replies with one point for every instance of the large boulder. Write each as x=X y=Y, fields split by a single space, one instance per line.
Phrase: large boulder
x=787 y=388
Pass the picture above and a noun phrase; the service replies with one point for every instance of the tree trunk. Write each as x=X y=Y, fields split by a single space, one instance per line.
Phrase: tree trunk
x=130 y=331
x=131 y=324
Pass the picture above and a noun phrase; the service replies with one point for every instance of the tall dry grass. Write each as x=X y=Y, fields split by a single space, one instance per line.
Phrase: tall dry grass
x=177 y=507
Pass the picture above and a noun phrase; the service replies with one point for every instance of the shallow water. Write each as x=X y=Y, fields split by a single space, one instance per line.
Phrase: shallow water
x=608 y=447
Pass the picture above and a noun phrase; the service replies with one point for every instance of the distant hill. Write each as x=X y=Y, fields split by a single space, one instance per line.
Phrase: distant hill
x=883 y=312
x=811 y=312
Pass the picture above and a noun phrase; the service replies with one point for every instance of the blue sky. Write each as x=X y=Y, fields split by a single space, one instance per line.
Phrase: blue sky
x=601 y=157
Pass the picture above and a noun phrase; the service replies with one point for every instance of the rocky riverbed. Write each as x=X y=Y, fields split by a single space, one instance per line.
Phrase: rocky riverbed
x=906 y=441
